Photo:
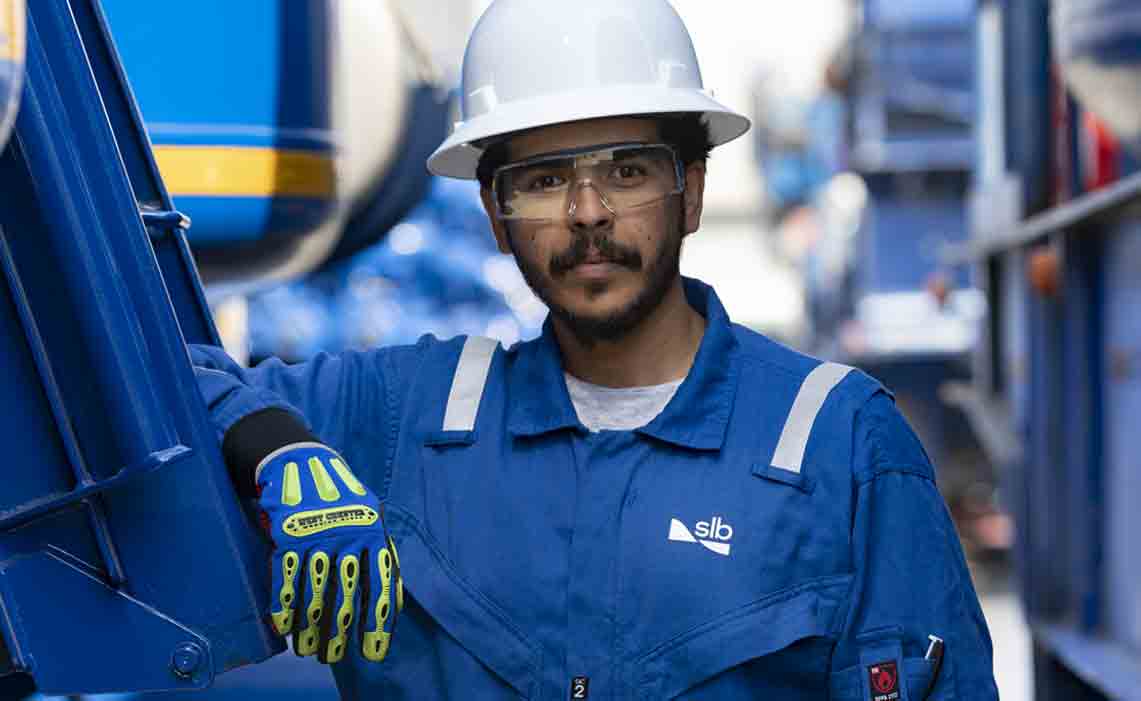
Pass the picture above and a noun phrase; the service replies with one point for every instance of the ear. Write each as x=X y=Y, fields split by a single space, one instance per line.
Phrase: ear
x=694 y=196
x=498 y=226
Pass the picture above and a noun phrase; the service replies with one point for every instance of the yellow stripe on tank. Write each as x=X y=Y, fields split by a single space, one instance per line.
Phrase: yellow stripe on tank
x=11 y=31
x=245 y=171
x=325 y=487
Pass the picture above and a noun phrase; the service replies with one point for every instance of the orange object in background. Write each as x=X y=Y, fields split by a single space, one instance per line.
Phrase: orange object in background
x=1044 y=271
x=939 y=286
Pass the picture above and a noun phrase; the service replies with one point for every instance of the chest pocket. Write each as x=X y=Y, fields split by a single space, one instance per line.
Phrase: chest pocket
x=790 y=570
x=779 y=645
x=884 y=673
x=452 y=641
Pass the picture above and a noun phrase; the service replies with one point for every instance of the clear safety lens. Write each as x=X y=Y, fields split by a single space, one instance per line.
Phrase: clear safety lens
x=625 y=177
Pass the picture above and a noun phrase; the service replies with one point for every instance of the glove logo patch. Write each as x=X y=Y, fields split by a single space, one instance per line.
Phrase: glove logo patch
x=884 y=681
x=306 y=523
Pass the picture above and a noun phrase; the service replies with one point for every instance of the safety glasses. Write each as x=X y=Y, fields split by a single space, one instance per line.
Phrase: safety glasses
x=625 y=176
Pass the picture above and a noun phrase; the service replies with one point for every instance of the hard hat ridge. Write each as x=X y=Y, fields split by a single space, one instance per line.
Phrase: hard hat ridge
x=533 y=63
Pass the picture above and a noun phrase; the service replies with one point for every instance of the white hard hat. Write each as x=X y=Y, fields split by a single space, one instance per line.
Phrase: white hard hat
x=532 y=63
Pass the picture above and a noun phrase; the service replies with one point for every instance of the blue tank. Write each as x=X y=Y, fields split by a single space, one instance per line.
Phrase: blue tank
x=240 y=118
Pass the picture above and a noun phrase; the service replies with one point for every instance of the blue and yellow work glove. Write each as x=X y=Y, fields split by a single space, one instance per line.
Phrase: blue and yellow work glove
x=333 y=560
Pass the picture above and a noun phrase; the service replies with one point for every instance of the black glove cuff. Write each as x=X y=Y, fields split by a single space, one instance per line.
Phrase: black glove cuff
x=254 y=437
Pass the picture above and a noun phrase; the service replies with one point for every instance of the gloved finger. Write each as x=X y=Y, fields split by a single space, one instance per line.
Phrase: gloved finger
x=316 y=580
x=328 y=610
x=300 y=597
x=286 y=565
x=378 y=603
x=341 y=598
x=399 y=581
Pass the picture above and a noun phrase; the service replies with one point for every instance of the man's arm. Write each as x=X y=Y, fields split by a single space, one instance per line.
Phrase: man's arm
x=911 y=580
x=328 y=395
x=335 y=568
x=258 y=410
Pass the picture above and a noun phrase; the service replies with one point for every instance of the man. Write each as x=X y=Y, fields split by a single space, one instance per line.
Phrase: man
x=646 y=502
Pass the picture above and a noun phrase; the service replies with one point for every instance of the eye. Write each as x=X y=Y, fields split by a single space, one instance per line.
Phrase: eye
x=628 y=173
x=543 y=183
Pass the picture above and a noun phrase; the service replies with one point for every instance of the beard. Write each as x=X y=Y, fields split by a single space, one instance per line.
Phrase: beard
x=659 y=275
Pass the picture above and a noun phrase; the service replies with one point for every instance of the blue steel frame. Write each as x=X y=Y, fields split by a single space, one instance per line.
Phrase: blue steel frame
x=126 y=561
x=1075 y=481
x=1083 y=382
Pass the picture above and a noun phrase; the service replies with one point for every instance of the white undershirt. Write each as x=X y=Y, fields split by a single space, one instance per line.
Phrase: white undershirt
x=618 y=408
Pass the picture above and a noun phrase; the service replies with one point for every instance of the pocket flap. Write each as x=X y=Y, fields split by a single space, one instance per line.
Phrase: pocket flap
x=770 y=624
x=473 y=620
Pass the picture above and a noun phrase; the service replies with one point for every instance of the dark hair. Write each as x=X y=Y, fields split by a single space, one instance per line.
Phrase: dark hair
x=686 y=132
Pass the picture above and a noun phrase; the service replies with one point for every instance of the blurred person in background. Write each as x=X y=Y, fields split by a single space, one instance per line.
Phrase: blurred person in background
x=647 y=500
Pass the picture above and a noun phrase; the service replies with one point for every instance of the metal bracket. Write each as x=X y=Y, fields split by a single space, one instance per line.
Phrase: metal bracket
x=118 y=643
x=165 y=218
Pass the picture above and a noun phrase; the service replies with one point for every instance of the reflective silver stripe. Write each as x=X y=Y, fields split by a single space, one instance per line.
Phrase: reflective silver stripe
x=798 y=426
x=467 y=385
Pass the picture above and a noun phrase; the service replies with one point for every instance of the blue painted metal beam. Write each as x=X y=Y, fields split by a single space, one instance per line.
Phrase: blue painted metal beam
x=126 y=561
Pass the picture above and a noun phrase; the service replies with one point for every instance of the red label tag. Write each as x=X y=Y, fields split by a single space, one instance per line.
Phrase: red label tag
x=883 y=680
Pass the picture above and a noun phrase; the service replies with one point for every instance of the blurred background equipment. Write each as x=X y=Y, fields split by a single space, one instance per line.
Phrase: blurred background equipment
x=1056 y=244
x=867 y=184
x=436 y=271
x=1098 y=45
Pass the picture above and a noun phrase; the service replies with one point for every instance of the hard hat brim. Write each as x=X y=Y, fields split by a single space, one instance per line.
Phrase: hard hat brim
x=458 y=156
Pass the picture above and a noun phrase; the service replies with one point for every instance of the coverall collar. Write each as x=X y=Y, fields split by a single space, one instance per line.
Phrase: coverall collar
x=695 y=418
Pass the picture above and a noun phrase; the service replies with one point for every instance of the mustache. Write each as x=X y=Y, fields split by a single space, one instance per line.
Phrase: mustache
x=609 y=250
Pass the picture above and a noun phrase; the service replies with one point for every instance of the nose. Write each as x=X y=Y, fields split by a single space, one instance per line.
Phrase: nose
x=588 y=209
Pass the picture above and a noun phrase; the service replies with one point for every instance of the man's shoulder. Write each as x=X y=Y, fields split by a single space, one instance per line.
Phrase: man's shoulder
x=858 y=410
x=885 y=442
x=405 y=366
x=765 y=356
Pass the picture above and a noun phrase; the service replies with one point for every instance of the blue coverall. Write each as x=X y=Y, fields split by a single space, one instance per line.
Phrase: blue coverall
x=775 y=533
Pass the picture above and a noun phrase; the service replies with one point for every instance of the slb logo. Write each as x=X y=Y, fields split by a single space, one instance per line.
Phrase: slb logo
x=713 y=534
x=716 y=529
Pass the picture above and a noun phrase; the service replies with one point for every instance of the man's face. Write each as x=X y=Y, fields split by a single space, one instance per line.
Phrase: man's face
x=599 y=272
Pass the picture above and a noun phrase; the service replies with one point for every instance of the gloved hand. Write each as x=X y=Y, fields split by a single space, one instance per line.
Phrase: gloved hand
x=331 y=551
